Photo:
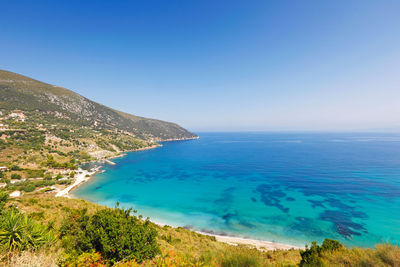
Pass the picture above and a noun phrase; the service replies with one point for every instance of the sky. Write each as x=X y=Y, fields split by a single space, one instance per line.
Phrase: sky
x=218 y=65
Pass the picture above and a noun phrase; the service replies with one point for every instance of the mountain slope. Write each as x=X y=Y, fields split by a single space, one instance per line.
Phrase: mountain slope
x=19 y=92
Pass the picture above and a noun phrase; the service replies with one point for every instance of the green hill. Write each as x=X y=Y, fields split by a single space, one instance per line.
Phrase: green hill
x=19 y=92
x=46 y=126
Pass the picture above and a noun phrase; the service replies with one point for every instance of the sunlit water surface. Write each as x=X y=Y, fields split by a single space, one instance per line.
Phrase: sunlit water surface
x=288 y=188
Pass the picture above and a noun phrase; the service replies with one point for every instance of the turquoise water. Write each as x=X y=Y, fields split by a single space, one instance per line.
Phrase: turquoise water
x=288 y=188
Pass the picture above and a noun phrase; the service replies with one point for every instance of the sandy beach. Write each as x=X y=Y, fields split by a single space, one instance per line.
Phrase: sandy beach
x=259 y=244
x=235 y=241
x=81 y=177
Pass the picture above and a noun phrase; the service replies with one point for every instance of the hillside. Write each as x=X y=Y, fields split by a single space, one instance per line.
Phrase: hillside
x=46 y=128
x=66 y=238
x=22 y=93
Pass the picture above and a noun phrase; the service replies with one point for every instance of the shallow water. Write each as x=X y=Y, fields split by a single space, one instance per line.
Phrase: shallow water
x=288 y=188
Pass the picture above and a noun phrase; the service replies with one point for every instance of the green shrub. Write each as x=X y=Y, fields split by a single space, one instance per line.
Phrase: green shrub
x=15 y=168
x=331 y=245
x=48 y=176
x=15 y=176
x=312 y=256
x=29 y=187
x=114 y=233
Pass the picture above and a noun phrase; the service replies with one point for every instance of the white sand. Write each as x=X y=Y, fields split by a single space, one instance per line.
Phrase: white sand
x=79 y=178
x=259 y=244
x=234 y=241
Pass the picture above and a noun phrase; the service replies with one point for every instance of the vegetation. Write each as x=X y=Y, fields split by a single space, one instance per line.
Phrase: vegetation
x=57 y=131
x=19 y=232
x=61 y=106
x=52 y=128
x=113 y=233
x=72 y=232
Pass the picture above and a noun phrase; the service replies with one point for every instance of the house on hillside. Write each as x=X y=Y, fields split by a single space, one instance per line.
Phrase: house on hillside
x=19 y=116
x=3 y=168
x=3 y=127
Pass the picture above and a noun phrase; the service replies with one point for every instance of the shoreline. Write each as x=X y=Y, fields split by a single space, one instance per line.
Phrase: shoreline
x=263 y=245
x=82 y=177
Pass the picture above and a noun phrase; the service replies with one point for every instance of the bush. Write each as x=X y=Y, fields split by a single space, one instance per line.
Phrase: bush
x=331 y=245
x=29 y=187
x=312 y=256
x=114 y=233
x=15 y=176
x=48 y=176
x=15 y=168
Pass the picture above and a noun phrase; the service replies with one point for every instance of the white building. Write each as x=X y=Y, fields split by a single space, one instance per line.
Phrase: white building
x=15 y=194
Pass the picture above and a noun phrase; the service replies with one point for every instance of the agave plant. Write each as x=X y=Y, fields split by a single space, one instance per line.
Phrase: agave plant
x=12 y=232
x=19 y=232
x=37 y=235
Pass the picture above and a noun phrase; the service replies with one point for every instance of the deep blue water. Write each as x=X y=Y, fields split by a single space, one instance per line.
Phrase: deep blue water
x=290 y=188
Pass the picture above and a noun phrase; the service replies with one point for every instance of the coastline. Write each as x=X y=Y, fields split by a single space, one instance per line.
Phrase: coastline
x=263 y=245
x=84 y=175
x=259 y=244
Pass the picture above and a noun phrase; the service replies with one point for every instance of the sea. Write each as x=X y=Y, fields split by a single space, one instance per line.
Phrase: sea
x=291 y=188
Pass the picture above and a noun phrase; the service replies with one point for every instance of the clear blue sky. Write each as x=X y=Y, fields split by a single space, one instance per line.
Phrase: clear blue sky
x=217 y=65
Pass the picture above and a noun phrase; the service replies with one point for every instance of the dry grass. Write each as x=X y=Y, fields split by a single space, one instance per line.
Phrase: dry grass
x=49 y=208
x=34 y=259
x=382 y=255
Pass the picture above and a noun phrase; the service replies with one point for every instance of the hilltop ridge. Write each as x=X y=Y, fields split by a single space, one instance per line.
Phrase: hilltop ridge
x=26 y=94
x=47 y=128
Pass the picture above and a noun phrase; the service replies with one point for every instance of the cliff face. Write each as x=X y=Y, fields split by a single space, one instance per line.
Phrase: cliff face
x=19 y=92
